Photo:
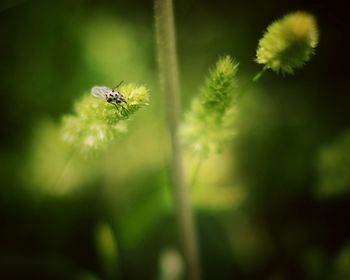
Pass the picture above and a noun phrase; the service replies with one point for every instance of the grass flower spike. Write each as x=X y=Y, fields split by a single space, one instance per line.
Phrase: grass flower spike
x=288 y=43
x=209 y=122
x=97 y=122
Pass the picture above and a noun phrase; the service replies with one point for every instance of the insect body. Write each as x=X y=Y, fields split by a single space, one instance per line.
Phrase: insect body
x=109 y=95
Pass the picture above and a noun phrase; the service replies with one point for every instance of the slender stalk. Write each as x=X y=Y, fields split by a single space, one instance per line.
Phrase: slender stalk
x=64 y=169
x=168 y=68
x=258 y=75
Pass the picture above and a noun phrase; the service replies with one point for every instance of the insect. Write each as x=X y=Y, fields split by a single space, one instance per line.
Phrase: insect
x=109 y=95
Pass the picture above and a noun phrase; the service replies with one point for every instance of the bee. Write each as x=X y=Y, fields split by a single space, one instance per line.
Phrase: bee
x=112 y=95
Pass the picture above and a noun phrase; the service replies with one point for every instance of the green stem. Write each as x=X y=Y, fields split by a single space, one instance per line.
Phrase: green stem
x=168 y=68
x=259 y=74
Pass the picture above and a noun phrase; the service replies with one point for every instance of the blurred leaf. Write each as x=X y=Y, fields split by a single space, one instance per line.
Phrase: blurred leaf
x=107 y=250
x=334 y=167
x=54 y=167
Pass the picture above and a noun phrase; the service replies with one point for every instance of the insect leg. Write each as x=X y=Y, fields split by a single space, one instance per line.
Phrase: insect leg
x=115 y=105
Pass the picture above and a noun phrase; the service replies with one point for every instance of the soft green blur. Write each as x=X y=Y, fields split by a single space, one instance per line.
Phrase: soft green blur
x=272 y=203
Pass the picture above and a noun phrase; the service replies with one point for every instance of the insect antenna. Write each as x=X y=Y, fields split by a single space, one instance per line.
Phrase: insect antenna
x=118 y=85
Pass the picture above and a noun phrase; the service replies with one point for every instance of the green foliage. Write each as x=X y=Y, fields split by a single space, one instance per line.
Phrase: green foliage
x=209 y=122
x=61 y=176
x=97 y=122
x=334 y=167
x=288 y=43
x=341 y=266
x=107 y=249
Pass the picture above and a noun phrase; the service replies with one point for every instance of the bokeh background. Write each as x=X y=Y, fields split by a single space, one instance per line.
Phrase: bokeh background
x=274 y=204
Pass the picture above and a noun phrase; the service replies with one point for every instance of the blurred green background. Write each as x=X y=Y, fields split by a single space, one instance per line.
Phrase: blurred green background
x=273 y=205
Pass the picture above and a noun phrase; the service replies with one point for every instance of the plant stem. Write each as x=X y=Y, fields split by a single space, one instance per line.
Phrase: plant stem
x=258 y=75
x=64 y=169
x=168 y=68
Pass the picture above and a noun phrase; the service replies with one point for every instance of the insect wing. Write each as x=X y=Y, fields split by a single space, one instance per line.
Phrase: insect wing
x=100 y=92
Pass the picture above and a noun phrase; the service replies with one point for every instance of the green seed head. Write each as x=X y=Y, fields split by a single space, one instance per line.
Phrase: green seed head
x=97 y=122
x=288 y=43
x=208 y=124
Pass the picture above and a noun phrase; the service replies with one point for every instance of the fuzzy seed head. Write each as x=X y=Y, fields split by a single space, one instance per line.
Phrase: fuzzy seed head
x=288 y=43
x=208 y=124
x=96 y=122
